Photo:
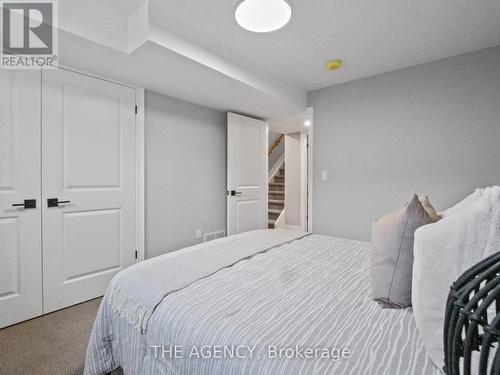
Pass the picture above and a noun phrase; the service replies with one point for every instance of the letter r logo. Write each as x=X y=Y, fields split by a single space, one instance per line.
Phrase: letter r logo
x=27 y=28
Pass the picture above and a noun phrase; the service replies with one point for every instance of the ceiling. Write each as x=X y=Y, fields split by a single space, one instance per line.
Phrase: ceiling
x=371 y=37
x=169 y=73
x=293 y=123
x=194 y=50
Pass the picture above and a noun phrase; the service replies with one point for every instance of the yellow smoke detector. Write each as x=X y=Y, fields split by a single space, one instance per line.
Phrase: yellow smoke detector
x=333 y=64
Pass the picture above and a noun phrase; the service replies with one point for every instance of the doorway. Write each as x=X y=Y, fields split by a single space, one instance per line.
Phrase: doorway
x=289 y=167
x=269 y=172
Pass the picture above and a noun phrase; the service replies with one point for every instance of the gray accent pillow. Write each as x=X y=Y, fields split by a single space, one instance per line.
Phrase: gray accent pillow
x=392 y=253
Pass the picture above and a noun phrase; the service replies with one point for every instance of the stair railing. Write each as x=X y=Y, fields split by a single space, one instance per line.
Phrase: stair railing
x=276 y=143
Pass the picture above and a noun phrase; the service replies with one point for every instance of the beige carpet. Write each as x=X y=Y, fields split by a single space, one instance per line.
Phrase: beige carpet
x=53 y=344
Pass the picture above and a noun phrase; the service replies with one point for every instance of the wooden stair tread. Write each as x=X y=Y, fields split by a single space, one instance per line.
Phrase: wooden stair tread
x=274 y=211
x=276 y=201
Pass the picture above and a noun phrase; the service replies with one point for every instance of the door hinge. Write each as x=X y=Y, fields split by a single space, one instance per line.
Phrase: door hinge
x=136 y=254
x=135 y=109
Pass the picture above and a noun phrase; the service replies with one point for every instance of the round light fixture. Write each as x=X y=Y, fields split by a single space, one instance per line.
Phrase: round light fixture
x=333 y=64
x=307 y=123
x=262 y=16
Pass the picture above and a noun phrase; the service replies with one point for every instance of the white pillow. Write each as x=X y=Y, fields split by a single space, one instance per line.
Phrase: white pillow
x=442 y=252
x=468 y=200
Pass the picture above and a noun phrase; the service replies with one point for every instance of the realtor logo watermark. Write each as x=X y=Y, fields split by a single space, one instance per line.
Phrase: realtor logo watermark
x=29 y=34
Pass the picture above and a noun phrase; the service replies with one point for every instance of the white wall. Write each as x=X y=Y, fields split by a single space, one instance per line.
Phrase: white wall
x=278 y=151
x=432 y=128
x=295 y=179
x=185 y=172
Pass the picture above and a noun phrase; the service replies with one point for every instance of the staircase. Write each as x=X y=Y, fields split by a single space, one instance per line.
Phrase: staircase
x=276 y=197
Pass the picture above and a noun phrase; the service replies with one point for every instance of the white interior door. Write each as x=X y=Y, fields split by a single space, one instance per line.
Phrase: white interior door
x=89 y=166
x=247 y=174
x=20 y=247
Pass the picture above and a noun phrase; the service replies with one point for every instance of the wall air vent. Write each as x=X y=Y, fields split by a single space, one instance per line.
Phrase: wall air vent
x=214 y=235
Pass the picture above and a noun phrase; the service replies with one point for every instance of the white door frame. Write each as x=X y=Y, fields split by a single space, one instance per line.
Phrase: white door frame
x=140 y=162
x=310 y=172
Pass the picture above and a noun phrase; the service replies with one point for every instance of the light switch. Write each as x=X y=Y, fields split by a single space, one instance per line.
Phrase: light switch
x=324 y=175
x=198 y=234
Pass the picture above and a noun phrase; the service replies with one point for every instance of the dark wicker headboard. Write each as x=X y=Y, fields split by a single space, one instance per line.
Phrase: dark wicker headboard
x=469 y=327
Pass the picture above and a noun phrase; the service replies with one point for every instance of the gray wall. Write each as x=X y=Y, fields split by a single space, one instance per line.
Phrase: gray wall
x=432 y=128
x=185 y=173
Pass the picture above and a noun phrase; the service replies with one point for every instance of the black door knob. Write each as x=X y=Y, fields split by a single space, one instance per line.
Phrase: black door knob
x=28 y=203
x=55 y=202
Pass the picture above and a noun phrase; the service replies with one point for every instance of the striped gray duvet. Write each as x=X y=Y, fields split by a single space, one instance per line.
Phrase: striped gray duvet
x=261 y=315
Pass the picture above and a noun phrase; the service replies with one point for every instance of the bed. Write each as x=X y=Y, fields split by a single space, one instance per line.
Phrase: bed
x=312 y=292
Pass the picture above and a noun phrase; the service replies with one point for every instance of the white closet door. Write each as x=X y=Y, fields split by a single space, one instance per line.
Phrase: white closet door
x=89 y=166
x=247 y=174
x=20 y=252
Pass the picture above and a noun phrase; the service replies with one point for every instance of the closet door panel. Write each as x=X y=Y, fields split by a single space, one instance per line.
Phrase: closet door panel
x=88 y=155
x=20 y=229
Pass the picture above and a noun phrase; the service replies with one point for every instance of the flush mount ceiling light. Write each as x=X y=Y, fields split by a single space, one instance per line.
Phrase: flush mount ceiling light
x=262 y=16
x=307 y=123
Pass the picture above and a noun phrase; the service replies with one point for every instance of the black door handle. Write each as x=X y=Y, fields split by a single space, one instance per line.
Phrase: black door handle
x=28 y=203
x=55 y=202
x=235 y=193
